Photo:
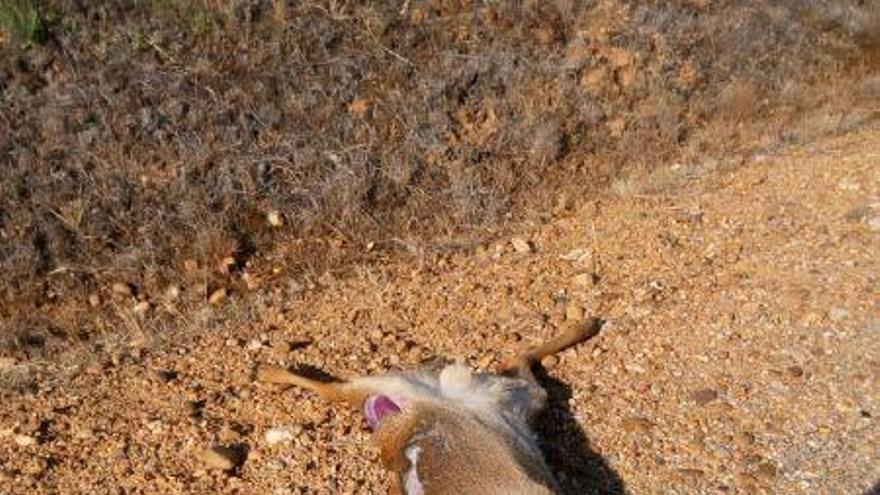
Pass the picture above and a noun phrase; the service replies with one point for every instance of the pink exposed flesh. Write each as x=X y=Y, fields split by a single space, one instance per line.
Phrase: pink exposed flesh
x=377 y=408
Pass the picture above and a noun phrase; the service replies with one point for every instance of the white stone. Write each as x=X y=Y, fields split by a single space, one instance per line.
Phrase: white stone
x=281 y=434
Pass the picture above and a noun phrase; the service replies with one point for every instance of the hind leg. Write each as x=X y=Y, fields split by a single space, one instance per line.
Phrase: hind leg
x=520 y=366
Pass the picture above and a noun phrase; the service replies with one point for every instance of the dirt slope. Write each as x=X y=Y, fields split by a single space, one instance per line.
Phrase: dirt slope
x=741 y=353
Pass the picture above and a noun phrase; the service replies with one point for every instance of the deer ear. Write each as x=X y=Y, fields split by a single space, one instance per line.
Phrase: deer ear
x=392 y=438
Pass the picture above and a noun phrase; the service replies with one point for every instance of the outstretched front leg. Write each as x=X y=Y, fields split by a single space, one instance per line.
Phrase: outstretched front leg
x=332 y=389
x=377 y=397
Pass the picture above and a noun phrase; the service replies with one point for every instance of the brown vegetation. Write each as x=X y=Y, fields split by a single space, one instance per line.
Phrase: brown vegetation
x=195 y=149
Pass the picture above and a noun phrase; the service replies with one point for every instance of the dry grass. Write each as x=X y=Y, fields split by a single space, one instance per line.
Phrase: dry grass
x=145 y=141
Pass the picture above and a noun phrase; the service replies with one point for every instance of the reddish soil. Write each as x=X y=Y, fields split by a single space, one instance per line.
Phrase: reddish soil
x=740 y=353
x=190 y=188
x=146 y=142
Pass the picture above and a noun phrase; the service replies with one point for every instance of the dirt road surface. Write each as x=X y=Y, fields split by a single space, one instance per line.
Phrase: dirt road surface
x=741 y=352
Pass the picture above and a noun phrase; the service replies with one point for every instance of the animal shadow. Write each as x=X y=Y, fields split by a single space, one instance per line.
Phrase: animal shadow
x=317 y=374
x=577 y=467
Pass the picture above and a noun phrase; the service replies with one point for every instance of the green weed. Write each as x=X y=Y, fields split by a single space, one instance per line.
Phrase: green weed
x=26 y=21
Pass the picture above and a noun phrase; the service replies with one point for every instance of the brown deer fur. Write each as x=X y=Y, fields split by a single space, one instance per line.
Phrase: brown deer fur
x=451 y=430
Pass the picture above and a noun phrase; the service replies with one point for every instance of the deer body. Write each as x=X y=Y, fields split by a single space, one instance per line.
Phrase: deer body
x=450 y=430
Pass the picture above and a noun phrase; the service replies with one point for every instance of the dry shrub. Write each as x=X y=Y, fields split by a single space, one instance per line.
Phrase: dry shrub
x=145 y=134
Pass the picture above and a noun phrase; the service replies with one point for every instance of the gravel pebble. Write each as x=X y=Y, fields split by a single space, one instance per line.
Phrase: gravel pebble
x=275 y=219
x=220 y=457
x=281 y=434
x=741 y=323
x=122 y=289
x=521 y=246
x=218 y=296
x=574 y=312
x=583 y=280
x=704 y=396
x=549 y=362
x=24 y=440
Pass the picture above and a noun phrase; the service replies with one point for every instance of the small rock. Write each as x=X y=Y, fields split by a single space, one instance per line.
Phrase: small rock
x=574 y=312
x=743 y=440
x=838 y=314
x=416 y=351
x=94 y=300
x=83 y=434
x=122 y=289
x=156 y=426
x=691 y=473
x=254 y=345
x=585 y=260
x=220 y=457
x=549 y=362
x=521 y=246
x=24 y=440
x=7 y=362
x=484 y=362
x=634 y=368
x=359 y=106
x=574 y=255
x=275 y=219
x=376 y=335
x=94 y=368
x=704 y=396
x=766 y=470
x=142 y=307
x=172 y=293
x=282 y=346
x=848 y=184
x=218 y=296
x=282 y=434
x=636 y=425
x=226 y=265
x=583 y=280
